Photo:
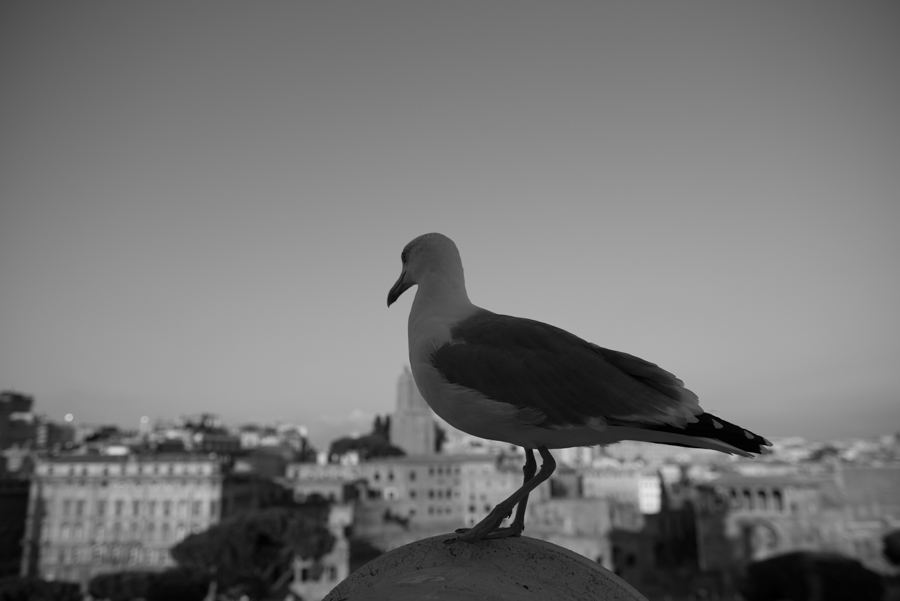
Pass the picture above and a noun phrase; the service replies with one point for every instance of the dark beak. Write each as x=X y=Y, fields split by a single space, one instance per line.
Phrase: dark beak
x=398 y=289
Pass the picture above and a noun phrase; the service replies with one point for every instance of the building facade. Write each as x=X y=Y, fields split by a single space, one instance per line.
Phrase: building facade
x=742 y=519
x=401 y=499
x=94 y=514
x=314 y=579
x=642 y=487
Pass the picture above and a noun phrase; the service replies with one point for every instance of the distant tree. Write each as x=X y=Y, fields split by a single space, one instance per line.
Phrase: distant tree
x=103 y=433
x=440 y=437
x=891 y=546
x=253 y=551
x=178 y=584
x=803 y=575
x=824 y=453
x=361 y=553
x=171 y=585
x=368 y=447
x=15 y=588
x=120 y=586
x=374 y=444
x=307 y=452
x=381 y=428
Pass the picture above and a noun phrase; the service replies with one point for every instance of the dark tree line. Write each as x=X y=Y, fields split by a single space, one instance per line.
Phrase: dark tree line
x=248 y=554
x=802 y=575
x=377 y=443
x=374 y=444
x=14 y=588
x=177 y=584
x=252 y=553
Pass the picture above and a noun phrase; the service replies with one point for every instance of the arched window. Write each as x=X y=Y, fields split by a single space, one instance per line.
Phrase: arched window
x=762 y=500
x=777 y=501
x=748 y=500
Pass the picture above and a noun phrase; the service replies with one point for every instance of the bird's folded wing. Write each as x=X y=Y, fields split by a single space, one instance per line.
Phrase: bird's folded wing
x=572 y=382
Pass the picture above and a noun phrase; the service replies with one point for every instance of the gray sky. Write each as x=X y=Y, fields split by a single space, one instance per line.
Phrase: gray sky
x=204 y=203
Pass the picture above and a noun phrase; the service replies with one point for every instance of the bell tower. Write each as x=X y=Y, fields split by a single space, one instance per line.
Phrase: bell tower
x=412 y=425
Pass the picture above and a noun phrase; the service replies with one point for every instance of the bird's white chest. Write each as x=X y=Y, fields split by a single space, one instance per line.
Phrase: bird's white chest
x=463 y=408
x=429 y=329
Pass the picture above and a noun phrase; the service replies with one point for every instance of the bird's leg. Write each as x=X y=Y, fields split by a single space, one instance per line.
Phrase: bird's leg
x=487 y=528
x=518 y=525
x=528 y=471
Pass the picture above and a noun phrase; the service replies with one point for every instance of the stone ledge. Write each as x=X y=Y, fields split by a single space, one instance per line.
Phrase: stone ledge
x=510 y=569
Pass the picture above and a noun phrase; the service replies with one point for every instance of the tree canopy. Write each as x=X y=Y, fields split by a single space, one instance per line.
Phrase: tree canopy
x=14 y=588
x=253 y=551
x=368 y=447
x=807 y=574
x=171 y=585
x=374 y=444
x=120 y=586
x=891 y=546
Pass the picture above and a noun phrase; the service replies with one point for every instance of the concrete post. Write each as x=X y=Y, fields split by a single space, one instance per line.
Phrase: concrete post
x=510 y=569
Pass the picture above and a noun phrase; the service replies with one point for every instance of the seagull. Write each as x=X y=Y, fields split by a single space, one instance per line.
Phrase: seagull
x=531 y=384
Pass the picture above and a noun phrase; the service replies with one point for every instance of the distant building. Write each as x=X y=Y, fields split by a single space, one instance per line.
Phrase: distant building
x=869 y=508
x=848 y=512
x=203 y=433
x=338 y=483
x=578 y=524
x=652 y=454
x=93 y=514
x=401 y=499
x=460 y=443
x=294 y=436
x=662 y=559
x=639 y=486
x=768 y=515
x=484 y=484
x=412 y=425
x=52 y=436
x=13 y=511
x=267 y=462
x=314 y=579
x=16 y=420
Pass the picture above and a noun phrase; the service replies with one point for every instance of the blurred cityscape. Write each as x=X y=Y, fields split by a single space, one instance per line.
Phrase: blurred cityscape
x=80 y=501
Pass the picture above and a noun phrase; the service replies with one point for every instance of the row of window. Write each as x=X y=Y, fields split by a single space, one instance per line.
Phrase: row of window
x=118 y=532
x=432 y=470
x=440 y=494
x=101 y=554
x=137 y=507
x=129 y=483
x=392 y=494
x=440 y=510
x=758 y=500
x=328 y=572
x=155 y=469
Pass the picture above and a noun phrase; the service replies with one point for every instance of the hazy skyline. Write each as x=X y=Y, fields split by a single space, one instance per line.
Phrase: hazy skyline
x=202 y=205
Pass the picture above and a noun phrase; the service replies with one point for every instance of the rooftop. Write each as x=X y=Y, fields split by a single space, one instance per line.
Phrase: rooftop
x=145 y=458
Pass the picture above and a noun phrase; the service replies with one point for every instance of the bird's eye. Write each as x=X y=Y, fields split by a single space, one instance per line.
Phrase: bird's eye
x=403 y=256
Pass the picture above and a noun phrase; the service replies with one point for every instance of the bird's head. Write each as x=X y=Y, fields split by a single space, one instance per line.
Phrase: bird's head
x=429 y=260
